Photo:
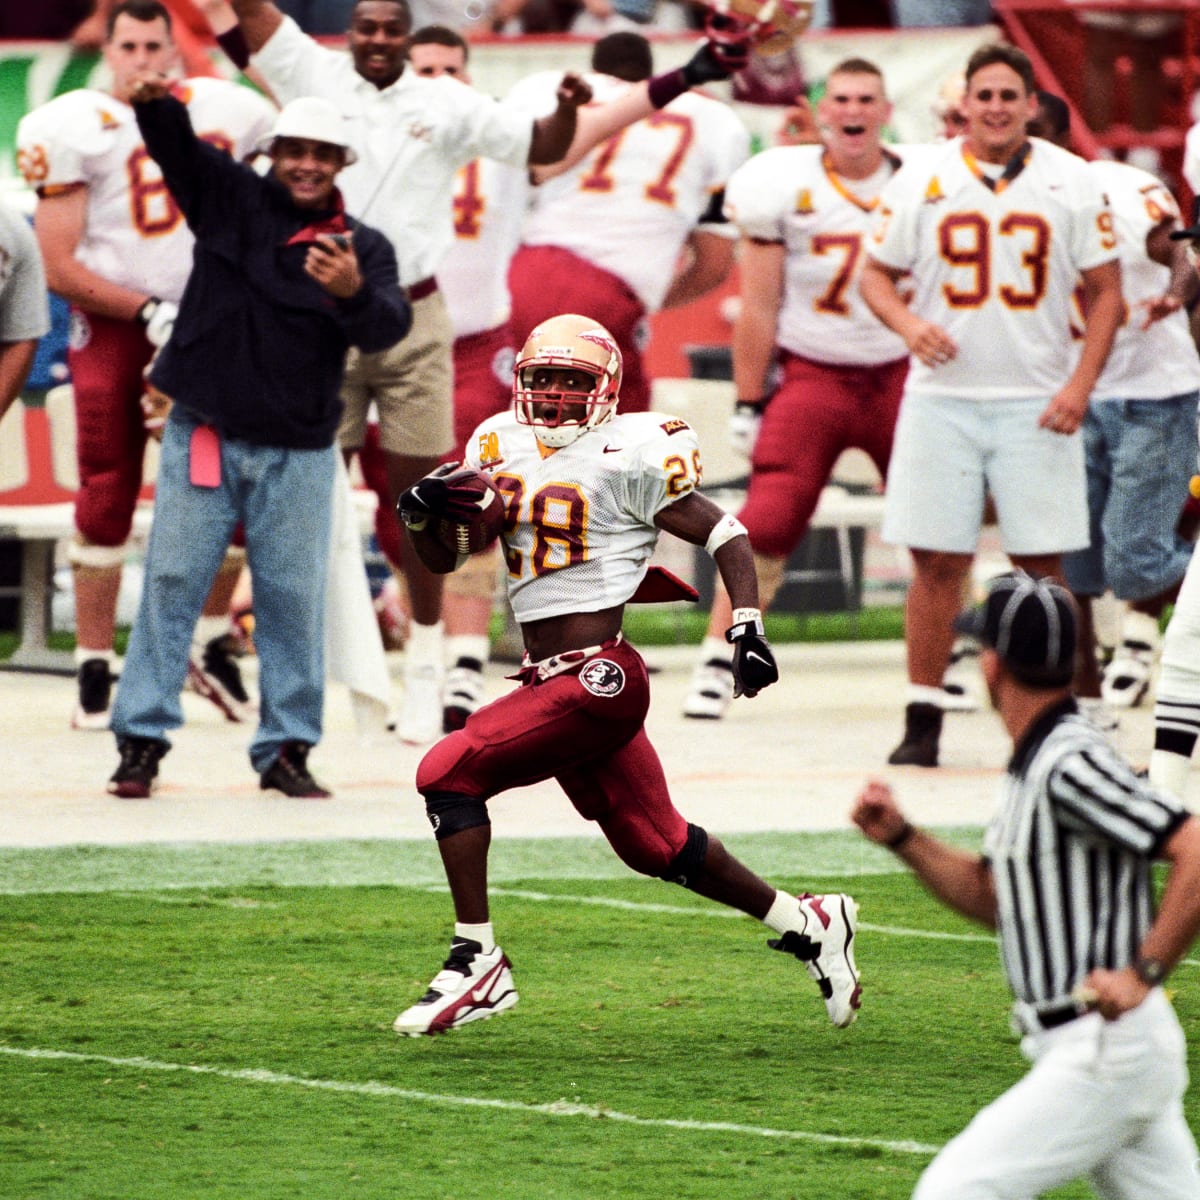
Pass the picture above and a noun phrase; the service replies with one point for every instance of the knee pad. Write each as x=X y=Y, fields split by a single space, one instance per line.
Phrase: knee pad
x=687 y=867
x=86 y=555
x=452 y=812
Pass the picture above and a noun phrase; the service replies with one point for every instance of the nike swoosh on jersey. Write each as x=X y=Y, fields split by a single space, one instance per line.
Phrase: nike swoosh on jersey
x=613 y=449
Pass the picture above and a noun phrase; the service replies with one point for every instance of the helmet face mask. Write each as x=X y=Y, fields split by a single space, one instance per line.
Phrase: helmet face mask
x=567 y=379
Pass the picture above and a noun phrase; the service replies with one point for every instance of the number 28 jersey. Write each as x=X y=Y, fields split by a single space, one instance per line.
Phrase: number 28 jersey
x=995 y=266
x=579 y=528
x=135 y=234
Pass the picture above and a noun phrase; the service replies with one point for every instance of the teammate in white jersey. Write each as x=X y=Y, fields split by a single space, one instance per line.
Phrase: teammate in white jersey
x=587 y=492
x=996 y=230
x=1139 y=439
x=116 y=246
x=607 y=235
x=811 y=363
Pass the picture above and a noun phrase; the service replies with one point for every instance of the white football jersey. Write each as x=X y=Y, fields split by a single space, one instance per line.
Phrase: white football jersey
x=996 y=269
x=490 y=198
x=135 y=234
x=1154 y=363
x=580 y=528
x=792 y=195
x=631 y=203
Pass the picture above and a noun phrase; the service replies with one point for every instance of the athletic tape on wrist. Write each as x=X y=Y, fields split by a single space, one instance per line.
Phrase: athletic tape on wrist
x=727 y=528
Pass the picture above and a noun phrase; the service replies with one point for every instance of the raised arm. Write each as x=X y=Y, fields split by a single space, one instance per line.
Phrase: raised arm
x=258 y=20
x=552 y=135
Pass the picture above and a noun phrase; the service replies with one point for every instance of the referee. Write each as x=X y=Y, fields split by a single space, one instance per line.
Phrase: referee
x=1065 y=879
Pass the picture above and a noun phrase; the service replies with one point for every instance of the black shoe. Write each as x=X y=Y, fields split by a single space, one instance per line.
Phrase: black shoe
x=922 y=732
x=136 y=772
x=216 y=676
x=289 y=774
x=95 y=695
x=463 y=694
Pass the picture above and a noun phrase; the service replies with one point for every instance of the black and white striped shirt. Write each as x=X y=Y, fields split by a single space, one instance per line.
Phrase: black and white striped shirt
x=1070 y=849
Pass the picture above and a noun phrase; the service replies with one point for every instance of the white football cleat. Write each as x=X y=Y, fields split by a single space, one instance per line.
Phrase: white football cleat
x=824 y=943
x=471 y=986
x=711 y=692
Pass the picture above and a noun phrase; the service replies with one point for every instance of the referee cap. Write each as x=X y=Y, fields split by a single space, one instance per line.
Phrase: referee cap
x=1030 y=623
x=314 y=120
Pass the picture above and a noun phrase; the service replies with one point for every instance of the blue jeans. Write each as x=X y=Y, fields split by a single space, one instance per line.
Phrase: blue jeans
x=1140 y=455
x=283 y=499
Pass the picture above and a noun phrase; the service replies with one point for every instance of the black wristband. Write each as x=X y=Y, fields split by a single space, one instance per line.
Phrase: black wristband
x=906 y=831
x=148 y=310
x=757 y=405
x=662 y=89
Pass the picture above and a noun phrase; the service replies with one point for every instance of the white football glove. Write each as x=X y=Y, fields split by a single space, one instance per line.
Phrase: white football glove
x=158 y=319
x=744 y=423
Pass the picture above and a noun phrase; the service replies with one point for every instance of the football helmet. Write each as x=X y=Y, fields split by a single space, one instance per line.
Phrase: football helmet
x=768 y=26
x=567 y=343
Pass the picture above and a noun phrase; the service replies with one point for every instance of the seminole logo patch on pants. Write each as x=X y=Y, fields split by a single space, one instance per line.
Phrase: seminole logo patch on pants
x=602 y=677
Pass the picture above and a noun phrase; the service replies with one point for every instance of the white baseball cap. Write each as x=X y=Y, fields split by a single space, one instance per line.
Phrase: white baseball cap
x=313 y=119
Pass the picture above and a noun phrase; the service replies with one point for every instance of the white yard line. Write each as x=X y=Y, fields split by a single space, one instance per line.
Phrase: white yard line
x=557 y=1108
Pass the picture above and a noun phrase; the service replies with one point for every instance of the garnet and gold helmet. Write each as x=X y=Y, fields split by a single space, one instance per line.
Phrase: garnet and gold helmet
x=567 y=379
x=766 y=26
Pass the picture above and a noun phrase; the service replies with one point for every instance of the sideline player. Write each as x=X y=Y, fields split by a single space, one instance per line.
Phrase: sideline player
x=1065 y=879
x=117 y=248
x=587 y=492
x=804 y=213
x=607 y=235
x=996 y=231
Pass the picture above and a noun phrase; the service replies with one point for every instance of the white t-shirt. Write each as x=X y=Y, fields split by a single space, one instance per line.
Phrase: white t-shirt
x=792 y=195
x=631 y=203
x=24 y=306
x=410 y=137
x=996 y=269
x=596 y=498
x=135 y=234
x=1154 y=363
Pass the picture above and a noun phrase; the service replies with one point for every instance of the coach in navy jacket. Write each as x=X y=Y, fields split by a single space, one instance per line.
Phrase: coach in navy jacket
x=283 y=282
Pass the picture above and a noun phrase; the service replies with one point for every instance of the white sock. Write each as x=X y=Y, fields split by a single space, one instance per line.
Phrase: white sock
x=714 y=647
x=208 y=628
x=783 y=912
x=86 y=654
x=467 y=645
x=919 y=693
x=424 y=643
x=477 y=933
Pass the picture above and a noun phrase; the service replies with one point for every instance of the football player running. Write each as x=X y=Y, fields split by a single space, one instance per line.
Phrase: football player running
x=587 y=492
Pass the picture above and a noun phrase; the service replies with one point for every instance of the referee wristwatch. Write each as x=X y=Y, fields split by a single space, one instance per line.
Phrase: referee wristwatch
x=1151 y=971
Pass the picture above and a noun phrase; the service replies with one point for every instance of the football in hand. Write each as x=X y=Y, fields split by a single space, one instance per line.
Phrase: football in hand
x=480 y=531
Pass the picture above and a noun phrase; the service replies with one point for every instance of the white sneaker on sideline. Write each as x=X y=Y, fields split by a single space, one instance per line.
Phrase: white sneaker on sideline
x=471 y=986
x=420 y=720
x=824 y=943
x=711 y=691
x=1126 y=679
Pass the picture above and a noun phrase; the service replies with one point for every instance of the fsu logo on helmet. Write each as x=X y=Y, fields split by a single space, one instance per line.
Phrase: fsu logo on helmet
x=602 y=677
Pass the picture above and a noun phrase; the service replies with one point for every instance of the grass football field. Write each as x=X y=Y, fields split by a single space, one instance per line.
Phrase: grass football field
x=216 y=1022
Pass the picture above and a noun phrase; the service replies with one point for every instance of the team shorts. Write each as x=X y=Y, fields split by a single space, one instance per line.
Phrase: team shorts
x=1140 y=455
x=949 y=453
x=410 y=385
